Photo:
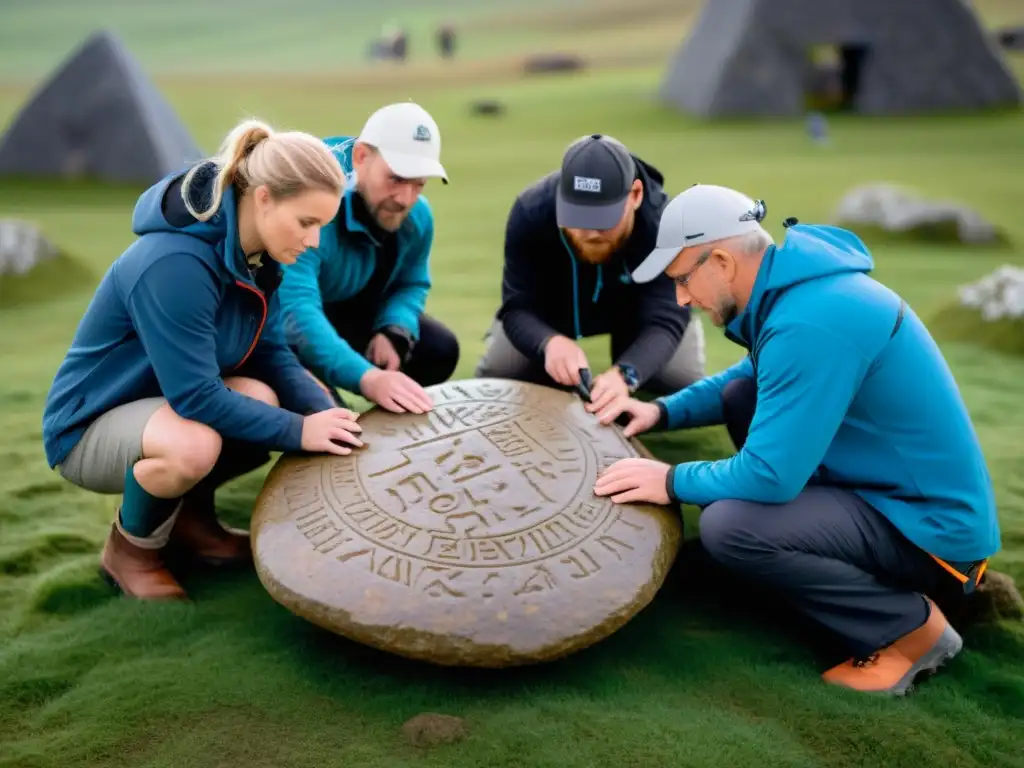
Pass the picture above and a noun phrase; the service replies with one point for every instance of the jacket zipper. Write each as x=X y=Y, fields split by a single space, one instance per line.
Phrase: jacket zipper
x=263 y=320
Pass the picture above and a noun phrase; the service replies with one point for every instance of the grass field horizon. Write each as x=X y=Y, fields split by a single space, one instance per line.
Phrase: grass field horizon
x=709 y=673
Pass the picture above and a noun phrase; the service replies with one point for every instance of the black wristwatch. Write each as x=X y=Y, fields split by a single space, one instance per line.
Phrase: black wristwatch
x=630 y=376
x=401 y=339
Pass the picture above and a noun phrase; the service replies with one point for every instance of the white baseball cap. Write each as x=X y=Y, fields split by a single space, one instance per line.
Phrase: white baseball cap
x=704 y=213
x=408 y=139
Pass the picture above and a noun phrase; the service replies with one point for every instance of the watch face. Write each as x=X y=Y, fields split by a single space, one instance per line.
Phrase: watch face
x=628 y=375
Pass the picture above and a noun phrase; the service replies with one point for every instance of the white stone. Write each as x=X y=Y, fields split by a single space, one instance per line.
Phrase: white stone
x=997 y=295
x=897 y=209
x=22 y=246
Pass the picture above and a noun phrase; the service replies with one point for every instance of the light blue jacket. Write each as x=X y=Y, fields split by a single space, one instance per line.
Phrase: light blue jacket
x=852 y=391
x=339 y=268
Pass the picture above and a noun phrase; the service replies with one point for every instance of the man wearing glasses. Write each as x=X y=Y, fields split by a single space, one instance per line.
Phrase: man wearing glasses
x=571 y=242
x=859 y=489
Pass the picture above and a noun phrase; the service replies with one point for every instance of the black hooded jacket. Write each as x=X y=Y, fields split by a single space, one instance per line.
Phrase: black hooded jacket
x=546 y=290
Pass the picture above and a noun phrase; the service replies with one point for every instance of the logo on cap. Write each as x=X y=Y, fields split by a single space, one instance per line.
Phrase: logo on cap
x=586 y=184
x=422 y=133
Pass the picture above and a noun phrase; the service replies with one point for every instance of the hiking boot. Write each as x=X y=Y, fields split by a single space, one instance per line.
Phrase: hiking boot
x=892 y=670
x=199 y=536
x=137 y=571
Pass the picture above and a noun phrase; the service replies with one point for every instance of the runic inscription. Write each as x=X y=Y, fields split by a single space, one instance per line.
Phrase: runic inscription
x=479 y=514
x=490 y=481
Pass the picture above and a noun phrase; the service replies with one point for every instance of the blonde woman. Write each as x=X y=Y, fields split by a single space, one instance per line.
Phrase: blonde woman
x=177 y=378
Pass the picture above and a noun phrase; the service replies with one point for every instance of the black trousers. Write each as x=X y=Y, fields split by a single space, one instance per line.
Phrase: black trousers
x=685 y=366
x=830 y=554
x=433 y=357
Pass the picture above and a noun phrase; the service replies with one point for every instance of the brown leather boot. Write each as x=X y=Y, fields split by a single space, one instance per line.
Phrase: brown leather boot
x=199 y=536
x=138 y=572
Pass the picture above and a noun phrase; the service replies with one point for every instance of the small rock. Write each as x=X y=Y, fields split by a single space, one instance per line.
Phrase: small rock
x=430 y=729
x=487 y=107
x=22 y=246
x=896 y=210
x=1011 y=38
x=553 y=62
x=997 y=597
x=997 y=295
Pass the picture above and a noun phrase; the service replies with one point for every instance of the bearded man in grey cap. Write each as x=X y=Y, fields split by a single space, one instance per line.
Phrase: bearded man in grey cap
x=572 y=240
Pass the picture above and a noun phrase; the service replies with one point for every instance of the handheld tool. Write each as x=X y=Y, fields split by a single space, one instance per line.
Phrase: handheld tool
x=583 y=390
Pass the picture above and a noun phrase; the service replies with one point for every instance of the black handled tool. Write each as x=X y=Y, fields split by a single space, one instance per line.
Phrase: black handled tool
x=583 y=390
x=586 y=382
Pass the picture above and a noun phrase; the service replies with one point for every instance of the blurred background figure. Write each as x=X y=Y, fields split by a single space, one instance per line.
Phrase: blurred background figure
x=446 y=40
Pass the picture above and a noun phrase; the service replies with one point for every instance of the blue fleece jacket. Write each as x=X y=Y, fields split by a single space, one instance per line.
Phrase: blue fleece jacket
x=177 y=312
x=852 y=391
x=340 y=268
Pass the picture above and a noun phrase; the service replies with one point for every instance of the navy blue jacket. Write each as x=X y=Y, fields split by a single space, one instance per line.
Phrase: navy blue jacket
x=174 y=315
x=546 y=290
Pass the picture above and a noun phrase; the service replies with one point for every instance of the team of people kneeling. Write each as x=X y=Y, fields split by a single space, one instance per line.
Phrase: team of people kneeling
x=290 y=267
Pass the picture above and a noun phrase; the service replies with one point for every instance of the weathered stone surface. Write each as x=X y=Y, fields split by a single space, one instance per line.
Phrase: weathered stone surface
x=468 y=536
x=894 y=210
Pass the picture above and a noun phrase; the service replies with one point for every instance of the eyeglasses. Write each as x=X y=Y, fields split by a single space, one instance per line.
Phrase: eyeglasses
x=684 y=279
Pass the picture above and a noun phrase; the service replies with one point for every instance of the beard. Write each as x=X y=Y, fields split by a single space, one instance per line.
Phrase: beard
x=388 y=214
x=598 y=251
x=724 y=313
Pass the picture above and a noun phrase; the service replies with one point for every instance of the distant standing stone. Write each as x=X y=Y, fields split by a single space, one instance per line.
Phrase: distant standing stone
x=468 y=536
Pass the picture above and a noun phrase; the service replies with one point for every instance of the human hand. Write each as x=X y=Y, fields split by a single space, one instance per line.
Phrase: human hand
x=382 y=353
x=635 y=480
x=394 y=391
x=322 y=431
x=609 y=387
x=563 y=359
x=641 y=416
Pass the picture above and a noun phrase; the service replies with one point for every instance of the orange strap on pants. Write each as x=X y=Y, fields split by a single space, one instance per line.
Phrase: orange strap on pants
x=971 y=579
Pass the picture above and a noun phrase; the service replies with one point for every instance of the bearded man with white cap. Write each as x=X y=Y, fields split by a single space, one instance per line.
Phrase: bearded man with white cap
x=353 y=306
x=859 y=489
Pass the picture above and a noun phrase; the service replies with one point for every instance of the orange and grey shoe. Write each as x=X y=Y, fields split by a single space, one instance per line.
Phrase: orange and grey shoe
x=894 y=669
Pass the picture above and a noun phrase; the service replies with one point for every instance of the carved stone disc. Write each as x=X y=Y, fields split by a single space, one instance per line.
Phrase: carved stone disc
x=467 y=536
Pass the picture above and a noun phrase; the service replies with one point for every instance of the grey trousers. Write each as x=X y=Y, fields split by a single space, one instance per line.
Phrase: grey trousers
x=503 y=361
x=830 y=554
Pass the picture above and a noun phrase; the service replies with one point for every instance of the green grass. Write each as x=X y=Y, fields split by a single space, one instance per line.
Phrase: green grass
x=957 y=322
x=193 y=37
x=712 y=673
x=229 y=35
x=53 y=277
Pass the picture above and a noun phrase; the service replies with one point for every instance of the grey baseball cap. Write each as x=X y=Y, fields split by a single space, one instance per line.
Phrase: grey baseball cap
x=597 y=174
x=704 y=213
